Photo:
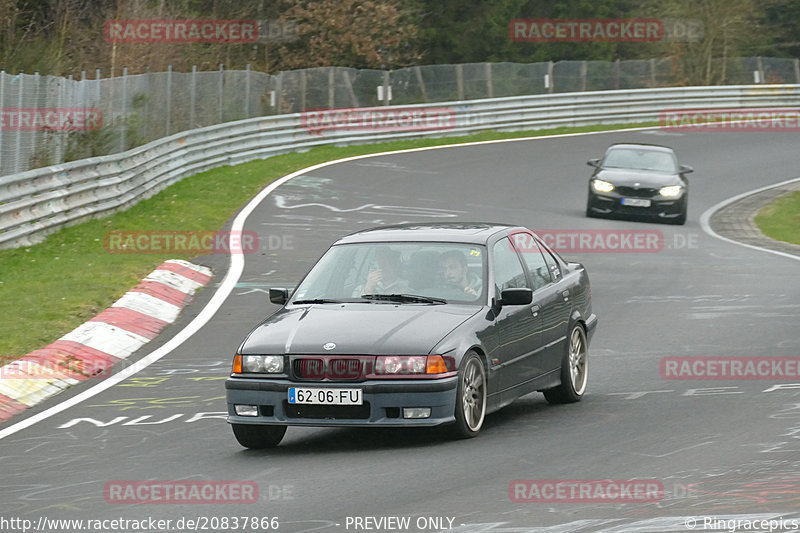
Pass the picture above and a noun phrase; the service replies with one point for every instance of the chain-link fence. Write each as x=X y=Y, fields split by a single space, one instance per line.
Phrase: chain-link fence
x=46 y=120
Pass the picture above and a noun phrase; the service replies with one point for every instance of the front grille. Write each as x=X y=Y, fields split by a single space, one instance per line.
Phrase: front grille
x=352 y=412
x=645 y=192
x=331 y=368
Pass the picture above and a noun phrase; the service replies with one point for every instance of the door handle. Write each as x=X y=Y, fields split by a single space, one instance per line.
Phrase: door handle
x=535 y=310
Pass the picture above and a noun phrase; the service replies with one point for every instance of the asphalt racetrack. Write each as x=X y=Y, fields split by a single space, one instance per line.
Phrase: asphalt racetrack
x=721 y=449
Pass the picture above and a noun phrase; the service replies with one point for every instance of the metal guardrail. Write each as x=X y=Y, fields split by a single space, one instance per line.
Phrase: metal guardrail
x=38 y=202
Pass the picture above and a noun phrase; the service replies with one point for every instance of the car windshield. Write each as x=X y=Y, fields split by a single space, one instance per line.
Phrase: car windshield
x=434 y=273
x=640 y=160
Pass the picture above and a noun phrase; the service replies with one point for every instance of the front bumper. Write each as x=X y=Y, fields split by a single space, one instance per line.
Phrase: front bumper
x=660 y=207
x=383 y=405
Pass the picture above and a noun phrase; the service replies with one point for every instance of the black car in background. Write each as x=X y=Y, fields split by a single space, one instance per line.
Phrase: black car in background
x=639 y=180
x=415 y=325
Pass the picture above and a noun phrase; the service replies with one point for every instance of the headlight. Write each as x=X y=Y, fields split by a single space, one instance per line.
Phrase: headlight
x=404 y=365
x=602 y=186
x=670 y=191
x=258 y=364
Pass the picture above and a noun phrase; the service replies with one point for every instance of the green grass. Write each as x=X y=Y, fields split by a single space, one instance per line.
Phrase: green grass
x=780 y=219
x=52 y=287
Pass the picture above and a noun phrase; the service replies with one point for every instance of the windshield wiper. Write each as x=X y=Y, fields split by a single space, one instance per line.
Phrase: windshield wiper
x=317 y=301
x=405 y=298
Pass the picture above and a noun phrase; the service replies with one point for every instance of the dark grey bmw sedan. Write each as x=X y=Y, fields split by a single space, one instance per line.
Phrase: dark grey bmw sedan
x=415 y=325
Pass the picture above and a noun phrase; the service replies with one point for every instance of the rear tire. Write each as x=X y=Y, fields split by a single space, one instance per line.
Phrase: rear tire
x=470 y=397
x=574 y=369
x=258 y=437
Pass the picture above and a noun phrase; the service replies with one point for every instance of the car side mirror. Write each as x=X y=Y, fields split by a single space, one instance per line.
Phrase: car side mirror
x=516 y=296
x=278 y=296
x=593 y=162
x=686 y=169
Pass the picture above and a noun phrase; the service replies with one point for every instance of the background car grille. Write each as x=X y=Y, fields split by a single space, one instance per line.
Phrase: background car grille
x=331 y=368
x=643 y=192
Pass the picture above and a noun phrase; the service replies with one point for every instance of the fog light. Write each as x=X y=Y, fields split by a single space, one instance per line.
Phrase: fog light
x=416 y=412
x=246 y=410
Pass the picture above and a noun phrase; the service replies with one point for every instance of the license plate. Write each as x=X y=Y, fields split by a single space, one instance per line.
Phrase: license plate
x=325 y=396
x=635 y=202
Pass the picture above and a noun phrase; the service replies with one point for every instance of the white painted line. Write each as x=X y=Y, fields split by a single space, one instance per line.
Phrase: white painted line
x=706 y=217
x=174 y=280
x=149 y=305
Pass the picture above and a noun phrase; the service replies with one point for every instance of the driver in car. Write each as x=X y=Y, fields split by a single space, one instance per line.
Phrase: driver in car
x=454 y=272
x=386 y=278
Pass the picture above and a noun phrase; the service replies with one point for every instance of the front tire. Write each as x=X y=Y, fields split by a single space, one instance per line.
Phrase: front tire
x=574 y=369
x=258 y=437
x=470 y=397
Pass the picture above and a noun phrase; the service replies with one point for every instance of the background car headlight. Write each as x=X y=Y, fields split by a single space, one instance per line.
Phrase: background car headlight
x=602 y=186
x=259 y=364
x=670 y=191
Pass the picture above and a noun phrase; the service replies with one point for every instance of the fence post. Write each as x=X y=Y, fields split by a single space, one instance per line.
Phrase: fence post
x=302 y=90
x=616 y=74
x=169 y=100
x=2 y=104
x=584 y=74
x=219 y=93
x=489 y=88
x=35 y=134
x=247 y=92
x=386 y=100
x=331 y=88
x=19 y=133
x=460 y=81
x=652 y=73
x=797 y=70
x=278 y=91
x=421 y=82
x=551 y=80
x=122 y=132
x=760 y=67
x=193 y=98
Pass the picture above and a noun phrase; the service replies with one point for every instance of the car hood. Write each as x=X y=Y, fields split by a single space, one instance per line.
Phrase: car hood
x=356 y=329
x=645 y=178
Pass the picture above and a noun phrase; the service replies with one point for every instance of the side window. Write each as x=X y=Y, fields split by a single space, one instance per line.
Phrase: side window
x=508 y=272
x=552 y=266
x=532 y=255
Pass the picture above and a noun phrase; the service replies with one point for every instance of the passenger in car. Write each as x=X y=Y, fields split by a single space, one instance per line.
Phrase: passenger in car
x=454 y=272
